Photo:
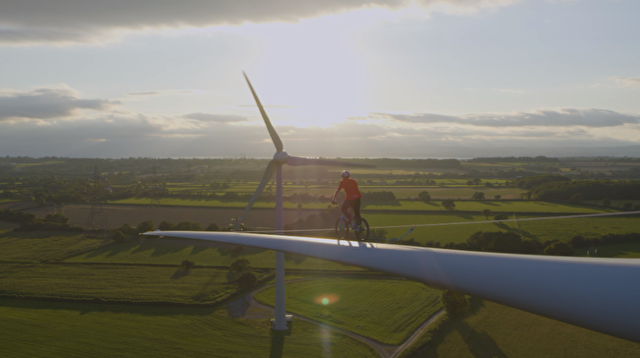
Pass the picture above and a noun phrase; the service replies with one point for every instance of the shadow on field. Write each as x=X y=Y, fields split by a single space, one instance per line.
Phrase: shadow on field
x=180 y=273
x=83 y=308
x=277 y=344
x=488 y=203
x=110 y=250
x=238 y=251
x=465 y=216
x=479 y=343
x=525 y=233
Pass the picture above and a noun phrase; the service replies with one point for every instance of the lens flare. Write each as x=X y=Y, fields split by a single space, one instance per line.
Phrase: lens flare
x=327 y=299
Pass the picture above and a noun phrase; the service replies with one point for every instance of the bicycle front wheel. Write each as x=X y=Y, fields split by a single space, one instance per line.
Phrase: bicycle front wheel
x=342 y=229
x=362 y=230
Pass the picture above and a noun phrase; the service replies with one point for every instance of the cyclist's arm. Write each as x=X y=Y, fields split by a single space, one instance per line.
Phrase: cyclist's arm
x=335 y=195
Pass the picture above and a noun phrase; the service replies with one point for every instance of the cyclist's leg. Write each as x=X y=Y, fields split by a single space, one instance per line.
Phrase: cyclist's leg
x=356 y=209
x=345 y=209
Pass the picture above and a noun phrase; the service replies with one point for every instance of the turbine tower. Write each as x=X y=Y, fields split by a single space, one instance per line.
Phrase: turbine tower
x=275 y=166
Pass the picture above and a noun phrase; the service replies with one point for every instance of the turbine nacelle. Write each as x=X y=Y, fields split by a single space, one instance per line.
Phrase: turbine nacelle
x=281 y=157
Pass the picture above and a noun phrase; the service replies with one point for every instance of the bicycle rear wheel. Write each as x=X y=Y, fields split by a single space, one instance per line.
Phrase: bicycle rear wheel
x=362 y=230
x=342 y=229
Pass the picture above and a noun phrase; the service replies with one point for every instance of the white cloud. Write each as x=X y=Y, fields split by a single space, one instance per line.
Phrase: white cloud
x=220 y=118
x=630 y=82
x=47 y=103
x=63 y=21
x=619 y=82
x=147 y=93
x=540 y=117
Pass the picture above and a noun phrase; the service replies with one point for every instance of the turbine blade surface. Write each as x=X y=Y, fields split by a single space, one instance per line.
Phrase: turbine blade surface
x=272 y=132
x=268 y=173
x=300 y=161
x=594 y=293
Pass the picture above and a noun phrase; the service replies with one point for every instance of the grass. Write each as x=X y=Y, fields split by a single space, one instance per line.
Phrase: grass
x=50 y=329
x=385 y=310
x=124 y=283
x=500 y=331
x=43 y=245
x=541 y=230
x=627 y=250
x=157 y=253
x=455 y=193
x=9 y=200
x=496 y=206
x=614 y=203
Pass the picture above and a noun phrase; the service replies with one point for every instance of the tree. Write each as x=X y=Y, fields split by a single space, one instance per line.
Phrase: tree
x=187 y=264
x=488 y=185
x=166 y=225
x=627 y=206
x=247 y=279
x=183 y=225
x=213 y=227
x=425 y=196
x=498 y=197
x=195 y=227
x=240 y=264
x=454 y=302
x=448 y=204
x=559 y=249
x=58 y=218
x=145 y=226
x=478 y=195
x=118 y=237
x=477 y=181
x=469 y=182
x=606 y=202
x=486 y=213
x=576 y=199
x=501 y=217
x=39 y=201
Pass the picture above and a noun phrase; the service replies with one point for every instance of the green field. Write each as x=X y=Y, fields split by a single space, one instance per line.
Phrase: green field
x=542 y=230
x=50 y=329
x=7 y=200
x=614 y=203
x=385 y=310
x=153 y=253
x=500 y=331
x=43 y=245
x=123 y=283
x=495 y=206
x=629 y=250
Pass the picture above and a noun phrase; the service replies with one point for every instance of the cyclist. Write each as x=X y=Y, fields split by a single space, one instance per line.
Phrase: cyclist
x=353 y=196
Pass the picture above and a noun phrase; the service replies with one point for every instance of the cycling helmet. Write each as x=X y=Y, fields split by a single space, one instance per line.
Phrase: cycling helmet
x=345 y=174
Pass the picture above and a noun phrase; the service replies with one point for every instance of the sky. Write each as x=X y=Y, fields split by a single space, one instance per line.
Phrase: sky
x=348 y=78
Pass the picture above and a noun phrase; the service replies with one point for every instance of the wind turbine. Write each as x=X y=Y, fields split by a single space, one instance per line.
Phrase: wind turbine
x=275 y=166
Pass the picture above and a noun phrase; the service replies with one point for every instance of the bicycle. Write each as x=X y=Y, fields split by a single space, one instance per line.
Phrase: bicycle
x=360 y=231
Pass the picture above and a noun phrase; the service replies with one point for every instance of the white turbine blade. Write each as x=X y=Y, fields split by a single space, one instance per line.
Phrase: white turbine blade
x=272 y=132
x=268 y=173
x=597 y=294
x=299 y=161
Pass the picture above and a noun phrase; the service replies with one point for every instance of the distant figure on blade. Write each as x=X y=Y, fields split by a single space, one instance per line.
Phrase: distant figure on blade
x=353 y=196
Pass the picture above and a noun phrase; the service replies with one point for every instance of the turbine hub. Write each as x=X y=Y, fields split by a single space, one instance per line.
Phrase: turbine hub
x=281 y=157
